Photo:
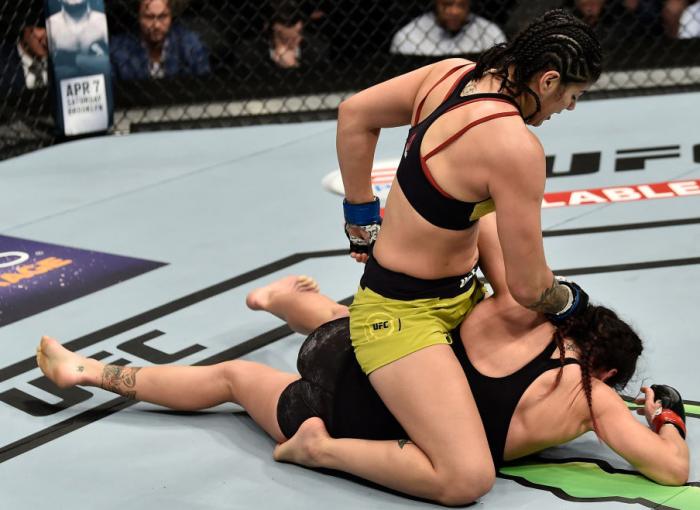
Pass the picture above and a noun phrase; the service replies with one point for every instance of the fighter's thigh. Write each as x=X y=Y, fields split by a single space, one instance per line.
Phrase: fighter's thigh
x=257 y=388
x=428 y=394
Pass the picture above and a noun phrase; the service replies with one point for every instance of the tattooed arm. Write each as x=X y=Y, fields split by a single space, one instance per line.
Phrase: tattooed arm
x=517 y=188
x=120 y=380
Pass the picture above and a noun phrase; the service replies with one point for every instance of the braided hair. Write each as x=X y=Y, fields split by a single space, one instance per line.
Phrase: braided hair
x=605 y=342
x=555 y=41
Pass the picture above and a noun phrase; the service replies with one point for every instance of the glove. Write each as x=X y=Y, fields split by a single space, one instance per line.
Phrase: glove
x=671 y=411
x=578 y=301
x=364 y=217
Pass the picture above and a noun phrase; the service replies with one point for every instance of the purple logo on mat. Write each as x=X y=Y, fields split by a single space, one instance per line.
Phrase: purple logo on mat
x=36 y=276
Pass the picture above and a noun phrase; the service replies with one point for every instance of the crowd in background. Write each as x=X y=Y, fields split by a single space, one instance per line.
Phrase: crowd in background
x=177 y=63
x=294 y=33
x=297 y=33
x=153 y=39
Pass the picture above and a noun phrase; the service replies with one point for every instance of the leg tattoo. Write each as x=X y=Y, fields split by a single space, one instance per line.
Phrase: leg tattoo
x=404 y=442
x=120 y=380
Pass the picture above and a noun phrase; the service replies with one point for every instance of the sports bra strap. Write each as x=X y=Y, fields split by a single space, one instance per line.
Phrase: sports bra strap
x=458 y=81
x=469 y=126
x=445 y=76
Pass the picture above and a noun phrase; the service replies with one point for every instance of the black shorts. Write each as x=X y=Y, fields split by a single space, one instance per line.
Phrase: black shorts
x=334 y=388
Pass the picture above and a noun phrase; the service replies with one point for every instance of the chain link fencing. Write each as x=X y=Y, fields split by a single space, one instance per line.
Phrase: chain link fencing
x=207 y=63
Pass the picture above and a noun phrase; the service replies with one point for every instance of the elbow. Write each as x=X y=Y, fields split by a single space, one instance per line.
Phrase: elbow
x=680 y=470
x=673 y=480
x=349 y=118
x=674 y=475
x=680 y=473
x=343 y=108
x=347 y=110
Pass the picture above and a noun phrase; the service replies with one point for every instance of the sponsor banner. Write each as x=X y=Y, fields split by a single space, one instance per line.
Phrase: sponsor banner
x=36 y=276
x=671 y=189
x=79 y=58
x=384 y=172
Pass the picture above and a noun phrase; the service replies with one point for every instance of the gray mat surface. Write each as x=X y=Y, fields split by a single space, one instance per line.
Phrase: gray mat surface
x=225 y=209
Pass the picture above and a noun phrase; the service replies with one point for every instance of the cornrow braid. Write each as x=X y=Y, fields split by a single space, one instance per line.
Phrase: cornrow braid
x=606 y=342
x=556 y=41
x=587 y=369
x=558 y=338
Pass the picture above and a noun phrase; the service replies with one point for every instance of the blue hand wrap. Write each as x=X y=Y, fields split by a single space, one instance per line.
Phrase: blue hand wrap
x=362 y=214
x=578 y=304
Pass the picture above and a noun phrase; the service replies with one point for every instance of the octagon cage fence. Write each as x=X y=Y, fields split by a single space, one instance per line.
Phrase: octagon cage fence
x=231 y=70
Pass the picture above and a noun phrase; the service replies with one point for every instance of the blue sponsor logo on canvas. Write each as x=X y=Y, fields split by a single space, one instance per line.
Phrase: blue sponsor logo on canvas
x=36 y=276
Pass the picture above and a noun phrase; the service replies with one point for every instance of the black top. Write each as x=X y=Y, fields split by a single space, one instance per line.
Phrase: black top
x=497 y=397
x=413 y=174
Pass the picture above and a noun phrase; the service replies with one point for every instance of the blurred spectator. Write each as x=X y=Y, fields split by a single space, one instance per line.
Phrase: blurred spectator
x=24 y=63
x=286 y=41
x=648 y=12
x=620 y=25
x=524 y=11
x=690 y=22
x=286 y=36
x=450 y=29
x=590 y=11
x=163 y=48
x=498 y=11
x=671 y=12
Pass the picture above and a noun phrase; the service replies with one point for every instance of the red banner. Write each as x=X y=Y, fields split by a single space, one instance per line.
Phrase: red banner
x=631 y=193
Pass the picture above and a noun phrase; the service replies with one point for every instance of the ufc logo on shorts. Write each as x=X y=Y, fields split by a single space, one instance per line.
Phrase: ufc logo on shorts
x=464 y=281
x=380 y=325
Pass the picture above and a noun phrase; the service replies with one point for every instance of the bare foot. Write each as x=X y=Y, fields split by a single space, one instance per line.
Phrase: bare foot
x=259 y=299
x=304 y=447
x=63 y=367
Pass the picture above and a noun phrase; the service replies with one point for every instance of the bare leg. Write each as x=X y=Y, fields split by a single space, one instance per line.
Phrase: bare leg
x=254 y=386
x=449 y=462
x=296 y=300
x=398 y=464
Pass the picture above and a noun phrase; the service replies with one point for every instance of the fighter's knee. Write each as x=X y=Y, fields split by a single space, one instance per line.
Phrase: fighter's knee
x=466 y=485
x=339 y=311
x=233 y=375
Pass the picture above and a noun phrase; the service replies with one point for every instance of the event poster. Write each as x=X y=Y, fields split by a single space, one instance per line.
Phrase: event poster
x=36 y=276
x=79 y=61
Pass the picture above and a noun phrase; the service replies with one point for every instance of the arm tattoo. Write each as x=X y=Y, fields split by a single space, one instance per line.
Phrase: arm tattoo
x=120 y=380
x=553 y=300
x=404 y=442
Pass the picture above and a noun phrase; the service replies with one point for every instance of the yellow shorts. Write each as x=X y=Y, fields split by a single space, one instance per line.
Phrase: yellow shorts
x=384 y=329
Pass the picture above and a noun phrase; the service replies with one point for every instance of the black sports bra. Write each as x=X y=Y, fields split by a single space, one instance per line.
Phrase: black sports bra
x=413 y=174
x=497 y=397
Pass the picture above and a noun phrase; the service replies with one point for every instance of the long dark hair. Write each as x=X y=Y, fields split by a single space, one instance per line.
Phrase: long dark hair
x=555 y=41
x=605 y=342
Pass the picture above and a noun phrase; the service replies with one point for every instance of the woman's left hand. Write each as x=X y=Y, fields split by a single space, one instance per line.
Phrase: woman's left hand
x=651 y=408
